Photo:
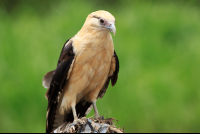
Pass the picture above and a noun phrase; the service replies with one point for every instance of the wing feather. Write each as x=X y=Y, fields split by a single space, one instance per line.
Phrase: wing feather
x=59 y=79
x=115 y=74
x=46 y=81
x=113 y=77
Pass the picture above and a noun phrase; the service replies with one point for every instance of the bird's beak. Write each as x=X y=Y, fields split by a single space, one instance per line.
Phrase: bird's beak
x=111 y=27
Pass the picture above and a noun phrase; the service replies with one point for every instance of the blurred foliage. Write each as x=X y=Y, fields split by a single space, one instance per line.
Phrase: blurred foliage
x=157 y=43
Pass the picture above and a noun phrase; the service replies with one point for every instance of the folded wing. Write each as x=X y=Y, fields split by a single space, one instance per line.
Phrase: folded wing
x=58 y=78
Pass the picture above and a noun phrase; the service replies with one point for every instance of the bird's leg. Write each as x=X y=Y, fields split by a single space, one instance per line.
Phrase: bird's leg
x=95 y=109
x=75 y=115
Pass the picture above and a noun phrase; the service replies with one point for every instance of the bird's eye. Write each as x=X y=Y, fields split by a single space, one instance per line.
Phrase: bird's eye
x=101 y=20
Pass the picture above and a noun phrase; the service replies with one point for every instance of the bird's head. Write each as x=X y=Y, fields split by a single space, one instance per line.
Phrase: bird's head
x=101 y=20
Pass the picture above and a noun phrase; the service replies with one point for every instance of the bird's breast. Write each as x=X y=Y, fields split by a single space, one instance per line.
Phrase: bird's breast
x=90 y=69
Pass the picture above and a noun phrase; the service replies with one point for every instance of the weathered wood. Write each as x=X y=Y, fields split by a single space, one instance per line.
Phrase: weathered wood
x=90 y=125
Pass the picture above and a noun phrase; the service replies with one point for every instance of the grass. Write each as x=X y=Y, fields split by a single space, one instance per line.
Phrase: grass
x=158 y=48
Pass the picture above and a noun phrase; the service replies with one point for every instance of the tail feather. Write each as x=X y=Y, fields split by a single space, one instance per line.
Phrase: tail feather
x=59 y=120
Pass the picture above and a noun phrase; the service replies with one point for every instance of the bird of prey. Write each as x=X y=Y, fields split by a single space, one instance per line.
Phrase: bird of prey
x=87 y=63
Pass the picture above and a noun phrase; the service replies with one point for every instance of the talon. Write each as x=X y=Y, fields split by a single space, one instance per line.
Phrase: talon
x=79 y=121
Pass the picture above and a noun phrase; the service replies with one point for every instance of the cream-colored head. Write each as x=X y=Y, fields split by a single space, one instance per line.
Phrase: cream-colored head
x=101 y=20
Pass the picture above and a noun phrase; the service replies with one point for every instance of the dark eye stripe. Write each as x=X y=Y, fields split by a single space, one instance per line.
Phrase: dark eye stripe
x=96 y=17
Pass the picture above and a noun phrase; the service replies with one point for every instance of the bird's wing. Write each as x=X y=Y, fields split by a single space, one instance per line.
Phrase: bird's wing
x=113 y=75
x=58 y=79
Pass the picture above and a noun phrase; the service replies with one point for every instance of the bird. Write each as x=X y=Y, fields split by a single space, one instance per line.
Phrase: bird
x=87 y=64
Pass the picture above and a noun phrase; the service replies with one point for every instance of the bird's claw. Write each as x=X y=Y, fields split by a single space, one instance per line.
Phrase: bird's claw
x=79 y=121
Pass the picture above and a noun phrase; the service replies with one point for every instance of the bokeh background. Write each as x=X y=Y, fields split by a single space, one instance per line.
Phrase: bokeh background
x=158 y=45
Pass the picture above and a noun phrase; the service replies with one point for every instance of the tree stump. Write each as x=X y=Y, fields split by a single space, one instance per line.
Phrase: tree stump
x=90 y=125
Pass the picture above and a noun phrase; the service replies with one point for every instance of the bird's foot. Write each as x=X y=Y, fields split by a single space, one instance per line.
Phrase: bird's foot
x=97 y=115
x=79 y=121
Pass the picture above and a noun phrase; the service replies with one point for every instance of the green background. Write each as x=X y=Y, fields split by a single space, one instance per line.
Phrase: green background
x=158 y=45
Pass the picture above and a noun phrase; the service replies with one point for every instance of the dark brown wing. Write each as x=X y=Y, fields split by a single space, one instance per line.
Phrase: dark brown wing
x=115 y=74
x=113 y=78
x=57 y=83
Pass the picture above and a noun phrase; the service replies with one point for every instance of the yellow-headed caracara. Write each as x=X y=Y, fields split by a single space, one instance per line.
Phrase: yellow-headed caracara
x=86 y=65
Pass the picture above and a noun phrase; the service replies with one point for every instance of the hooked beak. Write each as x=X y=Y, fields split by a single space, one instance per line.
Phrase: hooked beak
x=111 y=27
